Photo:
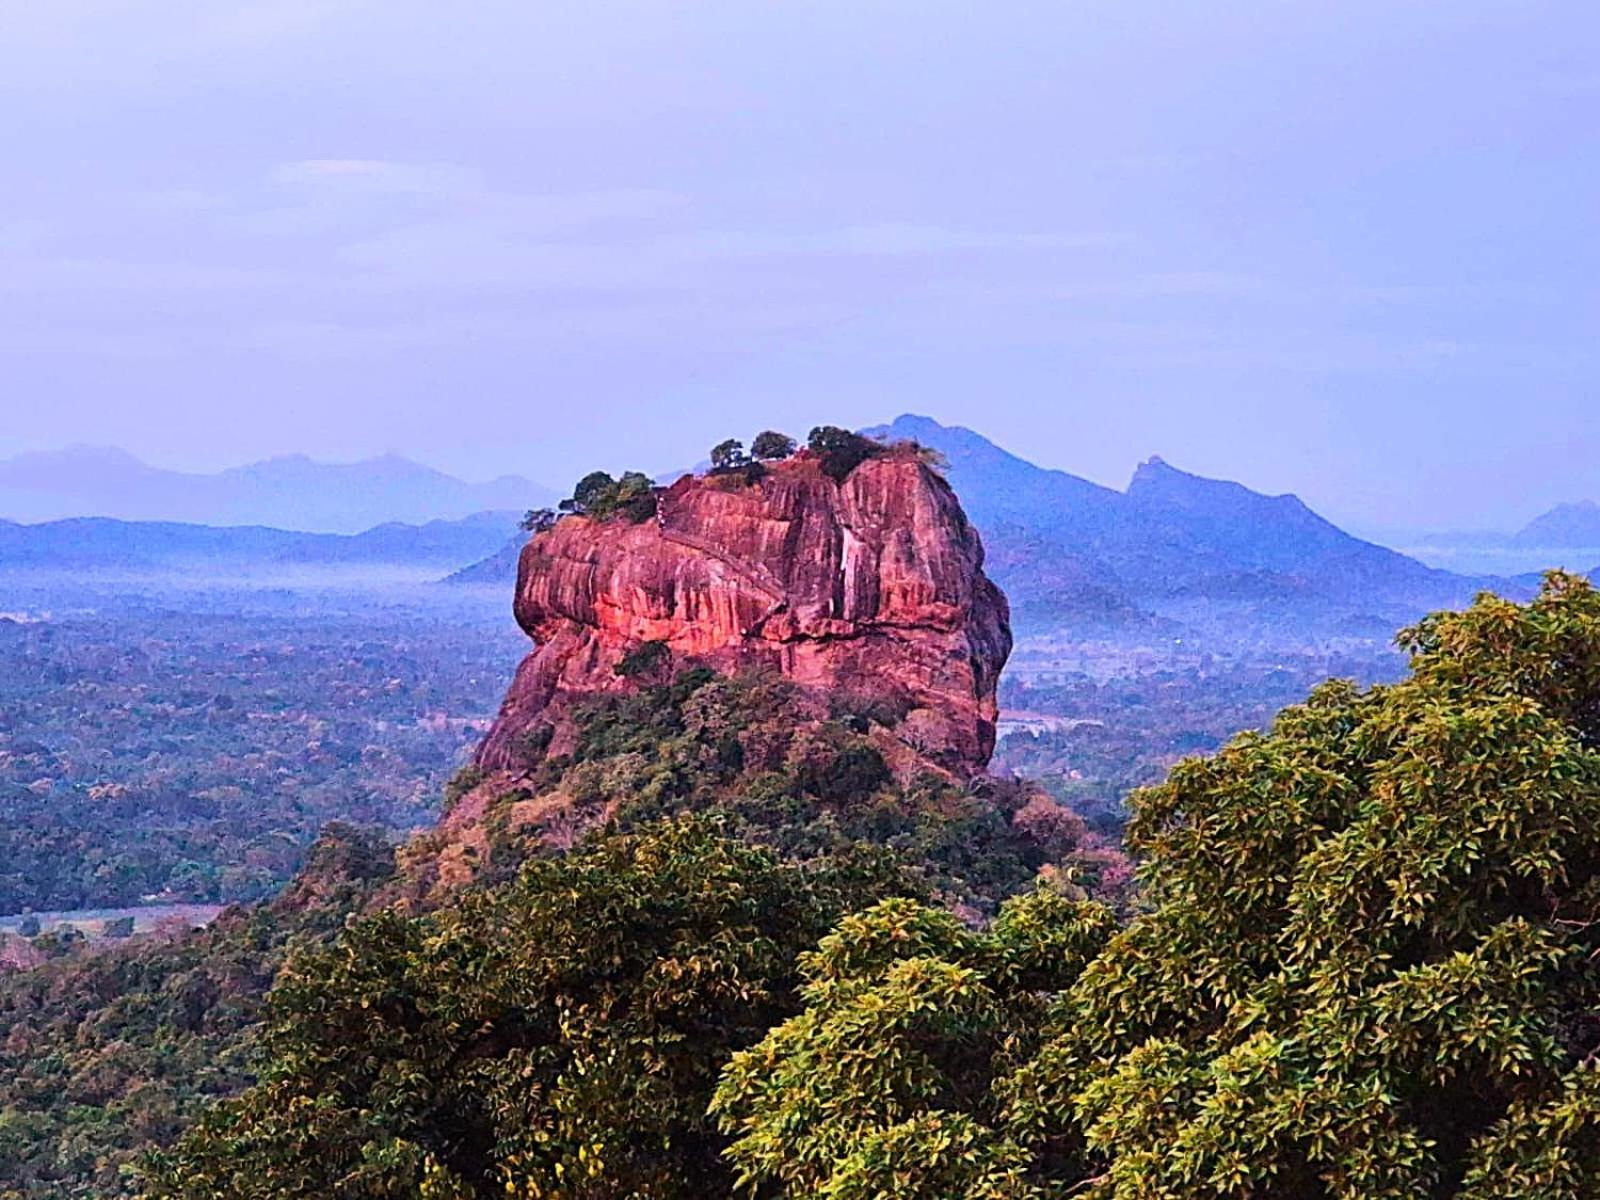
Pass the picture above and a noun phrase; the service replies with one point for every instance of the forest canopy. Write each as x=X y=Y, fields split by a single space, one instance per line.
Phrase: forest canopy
x=1365 y=966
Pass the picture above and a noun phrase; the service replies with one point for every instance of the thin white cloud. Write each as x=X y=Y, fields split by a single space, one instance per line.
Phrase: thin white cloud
x=513 y=252
x=363 y=198
x=888 y=240
x=377 y=175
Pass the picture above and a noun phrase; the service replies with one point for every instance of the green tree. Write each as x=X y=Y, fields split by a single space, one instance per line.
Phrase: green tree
x=635 y=497
x=729 y=455
x=537 y=520
x=770 y=445
x=647 y=660
x=840 y=451
x=592 y=491
x=885 y=1084
x=116 y=1045
x=558 y=1036
x=1369 y=967
x=600 y=496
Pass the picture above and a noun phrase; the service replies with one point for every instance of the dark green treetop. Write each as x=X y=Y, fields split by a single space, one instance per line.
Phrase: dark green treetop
x=556 y=1037
x=770 y=445
x=598 y=495
x=841 y=451
x=729 y=455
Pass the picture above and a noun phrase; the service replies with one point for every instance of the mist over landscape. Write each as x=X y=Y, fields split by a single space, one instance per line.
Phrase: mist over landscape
x=675 y=602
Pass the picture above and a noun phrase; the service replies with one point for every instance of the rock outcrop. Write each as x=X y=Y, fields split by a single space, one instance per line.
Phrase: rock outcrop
x=873 y=586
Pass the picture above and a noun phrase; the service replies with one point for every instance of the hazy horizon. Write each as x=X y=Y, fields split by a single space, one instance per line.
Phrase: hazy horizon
x=1341 y=251
x=1458 y=549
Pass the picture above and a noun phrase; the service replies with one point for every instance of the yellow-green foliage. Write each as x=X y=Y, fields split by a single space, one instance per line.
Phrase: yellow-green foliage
x=884 y=1086
x=1366 y=969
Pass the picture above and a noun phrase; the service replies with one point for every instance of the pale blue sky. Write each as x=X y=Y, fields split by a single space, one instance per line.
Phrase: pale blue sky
x=1342 y=248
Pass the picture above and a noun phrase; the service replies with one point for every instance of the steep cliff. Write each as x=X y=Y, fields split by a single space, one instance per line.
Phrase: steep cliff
x=869 y=588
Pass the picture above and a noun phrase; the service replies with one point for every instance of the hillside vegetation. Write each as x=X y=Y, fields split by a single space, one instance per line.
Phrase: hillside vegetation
x=1364 y=966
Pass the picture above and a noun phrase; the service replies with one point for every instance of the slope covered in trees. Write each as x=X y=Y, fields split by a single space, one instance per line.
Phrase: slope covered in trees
x=716 y=941
x=1364 y=966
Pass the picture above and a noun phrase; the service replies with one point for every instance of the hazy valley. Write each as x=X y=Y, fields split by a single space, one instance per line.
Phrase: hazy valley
x=264 y=680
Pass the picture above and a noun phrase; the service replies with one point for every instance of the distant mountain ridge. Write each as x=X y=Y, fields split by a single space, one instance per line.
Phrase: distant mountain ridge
x=103 y=543
x=288 y=493
x=1566 y=536
x=498 y=569
x=1174 y=550
x=1566 y=526
x=1173 y=545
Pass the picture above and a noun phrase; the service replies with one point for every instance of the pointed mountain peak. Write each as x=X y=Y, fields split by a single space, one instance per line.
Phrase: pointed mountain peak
x=910 y=424
x=1573 y=525
x=1156 y=471
x=1157 y=474
x=955 y=442
x=914 y=428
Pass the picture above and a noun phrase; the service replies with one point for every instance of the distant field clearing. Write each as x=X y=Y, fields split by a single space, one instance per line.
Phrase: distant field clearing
x=92 y=921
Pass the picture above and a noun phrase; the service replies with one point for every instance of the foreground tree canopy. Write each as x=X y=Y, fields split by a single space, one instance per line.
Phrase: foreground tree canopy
x=1367 y=970
x=1366 y=967
x=887 y=1084
x=556 y=1037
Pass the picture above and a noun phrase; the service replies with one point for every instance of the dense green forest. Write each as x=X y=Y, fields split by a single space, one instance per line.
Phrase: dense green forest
x=1362 y=964
x=193 y=755
x=105 y=1051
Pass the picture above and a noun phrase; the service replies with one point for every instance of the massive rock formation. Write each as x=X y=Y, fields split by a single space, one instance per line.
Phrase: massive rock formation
x=872 y=587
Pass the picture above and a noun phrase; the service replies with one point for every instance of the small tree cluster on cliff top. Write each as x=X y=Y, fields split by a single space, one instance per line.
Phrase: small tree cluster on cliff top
x=537 y=520
x=728 y=457
x=771 y=445
x=600 y=496
x=841 y=451
x=768 y=446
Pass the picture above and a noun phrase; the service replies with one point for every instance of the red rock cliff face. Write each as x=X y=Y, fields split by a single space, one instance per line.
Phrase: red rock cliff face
x=873 y=587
